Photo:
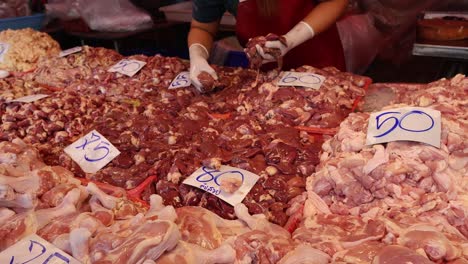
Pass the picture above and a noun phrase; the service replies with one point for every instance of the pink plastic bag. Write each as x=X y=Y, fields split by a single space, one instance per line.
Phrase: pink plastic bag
x=361 y=41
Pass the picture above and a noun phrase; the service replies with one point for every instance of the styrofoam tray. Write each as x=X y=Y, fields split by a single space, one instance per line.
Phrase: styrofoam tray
x=182 y=12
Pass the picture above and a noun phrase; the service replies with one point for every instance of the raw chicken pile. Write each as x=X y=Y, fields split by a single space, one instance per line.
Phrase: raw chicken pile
x=395 y=202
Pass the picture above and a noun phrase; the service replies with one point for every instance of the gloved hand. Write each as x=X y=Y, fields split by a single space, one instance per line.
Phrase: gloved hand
x=198 y=64
x=296 y=36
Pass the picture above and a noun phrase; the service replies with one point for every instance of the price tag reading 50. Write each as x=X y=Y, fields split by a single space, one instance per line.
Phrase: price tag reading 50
x=180 y=81
x=127 y=67
x=92 y=152
x=35 y=250
x=303 y=79
x=407 y=123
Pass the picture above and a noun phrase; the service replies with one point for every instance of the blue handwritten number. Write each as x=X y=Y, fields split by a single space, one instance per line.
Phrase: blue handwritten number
x=31 y=246
x=96 y=138
x=56 y=255
x=315 y=79
x=215 y=177
x=124 y=64
x=288 y=78
x=180 y=80
x=398 y=122
x=420 y=113
x=97 y=148
x=379 y=125
x=2 y=49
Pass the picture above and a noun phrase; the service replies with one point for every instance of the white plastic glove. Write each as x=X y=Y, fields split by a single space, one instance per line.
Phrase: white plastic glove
x=198 y=63
x=296 y=36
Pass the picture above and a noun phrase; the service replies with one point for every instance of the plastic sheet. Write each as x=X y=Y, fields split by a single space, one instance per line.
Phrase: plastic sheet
x=361 y=41
x=113 y=15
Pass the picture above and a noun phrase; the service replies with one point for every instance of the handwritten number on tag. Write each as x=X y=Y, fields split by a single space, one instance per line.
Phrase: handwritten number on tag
x=94 y=138
x=209 y=176
x=180 y=80
x=399 y=122
x=56 y=255
x=308 y=79
x=127 y=66
x=2 y=48
x=31 y=246
x=98 y=148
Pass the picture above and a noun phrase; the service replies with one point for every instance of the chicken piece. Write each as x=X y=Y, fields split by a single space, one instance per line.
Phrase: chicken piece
x=122 y=208
x=259 y=222
x=5 y=213
x=261 y=247
x=146 y=240
x=436 y=246
x=304 y=254
x=398 y=254
x=206 y=229
x=79 y=244
x=67 y=206
x=16 y=228
x=186 y=253
x=230 y=185
x=159 y=211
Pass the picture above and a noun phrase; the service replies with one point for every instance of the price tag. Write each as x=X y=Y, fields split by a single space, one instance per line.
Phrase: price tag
x=67 y=52
x=35 y=250
x=228 y=183
x=303 y=79
x=3 y=50
x=127 y=67
x=92 y=152
x=180 y=81
x=29 y=98
x=406 y=123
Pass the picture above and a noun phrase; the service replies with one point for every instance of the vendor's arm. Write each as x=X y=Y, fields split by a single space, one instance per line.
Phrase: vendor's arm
x=206 y=15
x=317 y=21
x=325 y=15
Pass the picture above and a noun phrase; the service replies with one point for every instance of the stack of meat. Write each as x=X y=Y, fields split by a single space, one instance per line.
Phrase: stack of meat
x=247 y=122
x=399 y=201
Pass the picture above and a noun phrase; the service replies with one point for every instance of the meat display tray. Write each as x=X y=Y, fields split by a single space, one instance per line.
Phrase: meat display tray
x=34 y=22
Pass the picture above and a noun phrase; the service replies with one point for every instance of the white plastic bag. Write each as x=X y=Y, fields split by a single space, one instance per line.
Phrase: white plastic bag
x=113 y=15
x=62 y=9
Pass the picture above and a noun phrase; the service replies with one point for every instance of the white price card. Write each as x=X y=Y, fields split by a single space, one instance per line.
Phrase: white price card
x=127 y=67
x=405 y=124
x=3 y=50
x=303 y=79
x=35 y=250
x=92 y=152
x=228 y=183
x=29 y=98
x=180 y=81
x=67 y=52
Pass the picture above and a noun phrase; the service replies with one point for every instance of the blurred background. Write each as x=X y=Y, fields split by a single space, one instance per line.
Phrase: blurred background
x=379 y=37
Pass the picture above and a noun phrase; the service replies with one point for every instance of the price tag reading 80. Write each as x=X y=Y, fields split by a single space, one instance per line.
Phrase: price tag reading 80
x=180 y=81
x=92 y=152
x=407 y=123
x=303 y=79
x=35 y=250
x=127 y=67
x=3 y=50
x=212 y=181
